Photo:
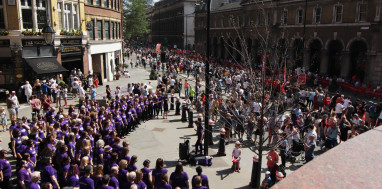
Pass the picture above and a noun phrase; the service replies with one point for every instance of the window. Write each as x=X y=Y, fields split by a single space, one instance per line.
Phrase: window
x=249 y=24
x=59 y=11
x=107 y=30
x=41 y=13
x=26 y=13
x=338 y=13
x=91 y=30
x=317 y=15
x=106 y=3
x=98 y=2
x=111 y=4
x=118 y=31
x=90 y=2
x=230 y=21
x=299 y=16
x=67 y=16
x=362 y=12
x=284 y=17
x=75 y=17
x=222 y=22
x=2 y=24
x=113 y=29
x=258 y=19
x=269 y=18
x=116 y=6
x=99 y=30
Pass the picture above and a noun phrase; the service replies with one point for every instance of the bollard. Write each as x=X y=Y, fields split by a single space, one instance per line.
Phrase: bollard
x=172 y=102
x=184 y=116
x=190 y=117
x=210 y=123
x=254 y=171
x=177 y=105
x=221 y=151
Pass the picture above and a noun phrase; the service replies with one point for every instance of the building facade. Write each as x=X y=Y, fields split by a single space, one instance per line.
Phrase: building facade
x=104 y=25
x=334 y=38
x=172 y=23
x=24 y=54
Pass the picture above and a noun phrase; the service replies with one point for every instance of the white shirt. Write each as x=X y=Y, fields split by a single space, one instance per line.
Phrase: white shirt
x=54 y=87
x=245 y=84
x=339 y=108
x=75 y=84
x=28 y=89
x=172 y=82
x=236 y=152
x=228 y=81
x=159 y=80
x=15 y=101
x=82 y=92
x=346 y=103
x=256 y=106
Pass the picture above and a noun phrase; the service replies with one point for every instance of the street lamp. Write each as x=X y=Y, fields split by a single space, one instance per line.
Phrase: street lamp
x=48 y=33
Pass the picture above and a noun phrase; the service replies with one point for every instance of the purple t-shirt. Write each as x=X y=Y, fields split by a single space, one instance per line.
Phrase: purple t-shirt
x=105 y=187
x=34 y=186
x=199 y=187
x=114 y=182
x=179 y=180
x=157 y=175
x=146 y=172
x=46 y=172
x=23 y=175
x=86 y=183
x=141 y=185
x=204 y=179
x=131 y=168
x=164 y=186
x=5 y=166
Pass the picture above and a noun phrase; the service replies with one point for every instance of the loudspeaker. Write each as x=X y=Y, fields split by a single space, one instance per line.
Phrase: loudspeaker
x=184 y=150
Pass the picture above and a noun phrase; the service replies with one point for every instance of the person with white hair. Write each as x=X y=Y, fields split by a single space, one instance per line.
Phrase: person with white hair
x=27 y=90
x=35 y=178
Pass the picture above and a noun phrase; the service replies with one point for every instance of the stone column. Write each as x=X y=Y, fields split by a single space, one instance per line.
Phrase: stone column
x=324 y=62
x=34 y=15
x=306 y=59
x=90 y=61
x=345 y=65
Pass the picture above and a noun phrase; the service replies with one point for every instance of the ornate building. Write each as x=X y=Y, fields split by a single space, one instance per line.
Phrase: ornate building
x=341 y=37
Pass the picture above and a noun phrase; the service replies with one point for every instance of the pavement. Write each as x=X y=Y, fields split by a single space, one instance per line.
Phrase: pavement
x=161 y=137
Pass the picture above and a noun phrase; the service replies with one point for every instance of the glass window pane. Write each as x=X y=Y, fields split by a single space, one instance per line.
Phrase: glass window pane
x=27 y=18
x=46 y=51
x=2 y=25
x=98 y=2
x=29 y=52
x=99 y=30
x=107 y=30
x=91 y=30
x=41 y=18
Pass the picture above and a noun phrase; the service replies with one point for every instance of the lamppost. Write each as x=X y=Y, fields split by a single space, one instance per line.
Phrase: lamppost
x=48 y=30
x=208 y=136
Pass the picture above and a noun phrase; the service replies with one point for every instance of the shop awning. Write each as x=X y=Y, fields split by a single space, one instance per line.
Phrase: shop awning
x=45 y=65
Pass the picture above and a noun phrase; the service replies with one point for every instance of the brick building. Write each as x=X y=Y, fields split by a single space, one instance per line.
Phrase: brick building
x=341 y=37
x=172 y=23
x=104 y=25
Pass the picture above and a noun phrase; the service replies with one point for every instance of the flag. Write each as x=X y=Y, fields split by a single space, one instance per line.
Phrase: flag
x=263 y=62
x=285 y=61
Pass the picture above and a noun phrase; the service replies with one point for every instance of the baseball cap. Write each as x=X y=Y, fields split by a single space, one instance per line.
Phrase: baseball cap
x=267 y=173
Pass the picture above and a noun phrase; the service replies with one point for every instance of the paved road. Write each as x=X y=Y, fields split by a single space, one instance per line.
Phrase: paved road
x=161 y=138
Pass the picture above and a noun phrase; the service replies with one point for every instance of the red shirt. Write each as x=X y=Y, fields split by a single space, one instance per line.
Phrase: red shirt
x=274 y=157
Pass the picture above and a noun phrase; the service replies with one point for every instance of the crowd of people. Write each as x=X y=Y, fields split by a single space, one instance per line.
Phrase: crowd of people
x=83 y=146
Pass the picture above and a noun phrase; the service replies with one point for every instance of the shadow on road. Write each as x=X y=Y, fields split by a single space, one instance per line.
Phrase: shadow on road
x=224 y=173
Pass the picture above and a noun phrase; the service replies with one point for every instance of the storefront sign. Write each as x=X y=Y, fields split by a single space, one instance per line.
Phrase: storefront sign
x=77 y=41
x=33 y=42
x=71 y=49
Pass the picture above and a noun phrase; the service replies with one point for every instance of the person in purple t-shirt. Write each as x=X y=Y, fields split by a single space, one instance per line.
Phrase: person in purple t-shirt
x=113 y=179
x=132 y=167
x=198 y=183
x=35 y=178
x=5 y=170
x=204 y=178
x=73 y=177
x=23 y=176
x=147 y=177
x=138 y=180
x=158 y=171
x=85 y=181
x=48 y=173
x=164 y=182
x=179 y=178
x=105 y=183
